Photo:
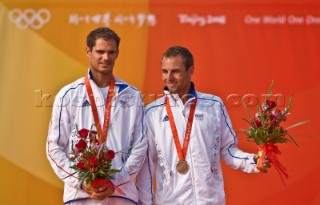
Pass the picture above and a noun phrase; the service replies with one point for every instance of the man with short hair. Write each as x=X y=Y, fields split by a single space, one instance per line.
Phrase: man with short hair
x=188 y=133
x=82 y=104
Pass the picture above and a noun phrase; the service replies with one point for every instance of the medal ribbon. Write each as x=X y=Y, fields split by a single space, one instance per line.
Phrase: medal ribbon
x=181 y=152
x=102 y=131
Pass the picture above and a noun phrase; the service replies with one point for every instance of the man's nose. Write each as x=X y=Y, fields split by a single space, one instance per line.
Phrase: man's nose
x=170 y=76
x=105 y=56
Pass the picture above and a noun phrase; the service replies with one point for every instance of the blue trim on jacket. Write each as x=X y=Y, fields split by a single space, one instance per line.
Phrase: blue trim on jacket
x=81 y=199
x=122 y=86
x=63 y=106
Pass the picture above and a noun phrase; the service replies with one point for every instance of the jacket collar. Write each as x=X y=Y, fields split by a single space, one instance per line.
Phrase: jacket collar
x=193 y=93
x=121 y=85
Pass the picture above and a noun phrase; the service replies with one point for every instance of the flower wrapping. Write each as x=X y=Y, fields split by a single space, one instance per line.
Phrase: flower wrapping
x=266 y=131
x=271 y=151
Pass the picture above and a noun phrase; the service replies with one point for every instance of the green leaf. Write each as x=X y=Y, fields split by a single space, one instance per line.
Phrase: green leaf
x=247 y=110
x=269 y=91
x=297 y=124
x=70 y=174
x=292 y=139
x=101 y=172
x=247 y=121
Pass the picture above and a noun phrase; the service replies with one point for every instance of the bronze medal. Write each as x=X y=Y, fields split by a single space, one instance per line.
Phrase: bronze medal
x=182 y=167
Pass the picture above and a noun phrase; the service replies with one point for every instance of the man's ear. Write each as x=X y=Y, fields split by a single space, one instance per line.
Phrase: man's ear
x=88 y=51
x=191 y=69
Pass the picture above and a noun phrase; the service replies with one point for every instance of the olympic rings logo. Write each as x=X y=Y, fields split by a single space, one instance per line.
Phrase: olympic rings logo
x=29 y=18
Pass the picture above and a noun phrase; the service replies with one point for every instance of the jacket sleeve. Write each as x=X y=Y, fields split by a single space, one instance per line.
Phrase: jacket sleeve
x=230 y=153
x=137 y=153
x=145 y=178
x=58 y=140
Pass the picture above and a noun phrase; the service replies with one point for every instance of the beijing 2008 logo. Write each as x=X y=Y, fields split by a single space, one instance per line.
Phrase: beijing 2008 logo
x=29 y=18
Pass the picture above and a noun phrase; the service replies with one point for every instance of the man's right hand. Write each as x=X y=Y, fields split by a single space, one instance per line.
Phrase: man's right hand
x=98 y=193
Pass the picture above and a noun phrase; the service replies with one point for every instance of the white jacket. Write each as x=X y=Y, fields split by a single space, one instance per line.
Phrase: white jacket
x=125 y=133
x=211 y=140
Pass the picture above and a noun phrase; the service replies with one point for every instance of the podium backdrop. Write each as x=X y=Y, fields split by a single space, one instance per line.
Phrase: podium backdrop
x=239 y=46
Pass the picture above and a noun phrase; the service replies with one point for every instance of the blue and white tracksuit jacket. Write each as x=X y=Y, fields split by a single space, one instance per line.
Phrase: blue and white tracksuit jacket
x=126 y=133
x=211 y=140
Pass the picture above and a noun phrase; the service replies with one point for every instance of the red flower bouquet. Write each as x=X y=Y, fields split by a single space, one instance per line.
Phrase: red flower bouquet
x=266 y=131
x=92 y=159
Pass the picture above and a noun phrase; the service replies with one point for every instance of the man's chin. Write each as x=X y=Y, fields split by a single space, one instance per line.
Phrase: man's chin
x=106 y=70
x=172 y=91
